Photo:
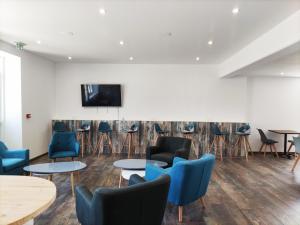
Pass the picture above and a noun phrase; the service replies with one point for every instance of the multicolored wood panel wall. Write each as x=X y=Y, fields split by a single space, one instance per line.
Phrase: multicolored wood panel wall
x=146 y=135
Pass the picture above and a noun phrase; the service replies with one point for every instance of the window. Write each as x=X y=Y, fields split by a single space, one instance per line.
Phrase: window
x=1 y=95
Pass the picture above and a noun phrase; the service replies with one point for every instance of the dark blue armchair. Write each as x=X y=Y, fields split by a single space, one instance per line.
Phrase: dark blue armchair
x=189 y=179
x=63 y=144
x=12 y=161
x=141 y=203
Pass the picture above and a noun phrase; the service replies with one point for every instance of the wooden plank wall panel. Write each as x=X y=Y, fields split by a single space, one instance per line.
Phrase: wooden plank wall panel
x=146 y=136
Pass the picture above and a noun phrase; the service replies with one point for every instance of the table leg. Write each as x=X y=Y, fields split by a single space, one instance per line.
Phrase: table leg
x=120 y=179
x=72 y=183
x=285 y=143
x=82 y=144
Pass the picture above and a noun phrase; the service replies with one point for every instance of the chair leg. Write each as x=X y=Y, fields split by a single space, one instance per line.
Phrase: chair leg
x=295 y=163
x=275 y=150
x=245 y=147
x=236 y=144
x=270 y=146
x=203 y=202
x=261 y=147
x=265 y=150
x=180 y=212
x=99 y=144
x=290 y=147
x=110 y=143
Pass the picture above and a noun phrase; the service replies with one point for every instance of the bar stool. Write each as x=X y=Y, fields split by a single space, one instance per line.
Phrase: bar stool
x=59 y=126
x=267 y=142
x=84 y=135
x=129 y=138
x=219 y=140
x=104 y=132
x=188 y=132
x=242 y=142
x=159 y=132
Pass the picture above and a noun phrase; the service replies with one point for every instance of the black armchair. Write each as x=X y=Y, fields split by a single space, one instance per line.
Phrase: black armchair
x=141 y=203
x=169 y=147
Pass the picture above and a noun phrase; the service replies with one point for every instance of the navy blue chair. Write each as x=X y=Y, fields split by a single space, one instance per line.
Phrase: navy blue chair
x=104 y=131
x=267 y=142
x=129 y=139
x=219 y=140
x=59 y=127
x=12 y=161
x=63 y=145
x=242 y=142
x=189 y=179
x=141 y=203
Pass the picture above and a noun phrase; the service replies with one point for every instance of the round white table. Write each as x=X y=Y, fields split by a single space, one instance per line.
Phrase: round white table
x=23 y=198
x=57 y=167
x=135 y=166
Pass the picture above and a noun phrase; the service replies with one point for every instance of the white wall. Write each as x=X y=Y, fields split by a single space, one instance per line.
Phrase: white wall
x=153 y=92
x=37 y=84
x=273 y=103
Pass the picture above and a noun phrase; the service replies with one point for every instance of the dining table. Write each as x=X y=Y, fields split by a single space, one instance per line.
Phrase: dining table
x=22 y=198
x=285 y=133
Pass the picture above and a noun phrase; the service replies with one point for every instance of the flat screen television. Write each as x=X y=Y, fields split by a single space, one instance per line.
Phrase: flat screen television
x=101 y=94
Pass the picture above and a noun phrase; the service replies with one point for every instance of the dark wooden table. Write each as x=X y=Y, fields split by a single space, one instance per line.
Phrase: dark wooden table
x=285 y=133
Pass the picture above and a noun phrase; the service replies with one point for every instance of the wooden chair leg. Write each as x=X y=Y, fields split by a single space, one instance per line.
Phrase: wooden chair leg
x=180 y=212
x=203 y=202
x=235 y=145
x=220 y=145
x=265 y=150
x=295 y=163
x=261 y=147
x=274 y=147
x=110 y=144
x=245 y=148
x=270 y=146
x=290 y=147
x=99 y=144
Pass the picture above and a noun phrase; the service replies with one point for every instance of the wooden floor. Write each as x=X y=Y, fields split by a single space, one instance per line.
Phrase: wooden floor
x=260 y=191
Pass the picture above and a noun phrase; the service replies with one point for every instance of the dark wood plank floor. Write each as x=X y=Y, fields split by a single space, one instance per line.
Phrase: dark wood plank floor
x=260 y=191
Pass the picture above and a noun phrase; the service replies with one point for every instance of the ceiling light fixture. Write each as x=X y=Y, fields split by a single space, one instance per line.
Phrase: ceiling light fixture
x=130 y=58
x=121 y=42
x=102 y=11
x=210 y=42
x=235 y=10
x=20 y=45
x=38 y=42
x=282 y=73
x=69 y=57
x=197 y=58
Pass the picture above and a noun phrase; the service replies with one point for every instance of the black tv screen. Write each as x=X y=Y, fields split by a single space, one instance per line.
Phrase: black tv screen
x=101 y=94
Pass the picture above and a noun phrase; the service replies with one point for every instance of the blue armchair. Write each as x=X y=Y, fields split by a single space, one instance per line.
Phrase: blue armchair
x=12 y=161
x=63 y=144
x=189 y=179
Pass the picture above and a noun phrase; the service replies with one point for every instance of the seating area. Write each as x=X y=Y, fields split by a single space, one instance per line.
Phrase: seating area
x=149 y=112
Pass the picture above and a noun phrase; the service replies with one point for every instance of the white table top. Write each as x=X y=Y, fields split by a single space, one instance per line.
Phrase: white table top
x=137 y=164
x=22 y=198
x=55 y=167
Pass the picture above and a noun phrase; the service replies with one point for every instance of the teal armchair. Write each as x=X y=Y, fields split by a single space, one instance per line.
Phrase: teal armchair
x=12 y=161
x=189 y=179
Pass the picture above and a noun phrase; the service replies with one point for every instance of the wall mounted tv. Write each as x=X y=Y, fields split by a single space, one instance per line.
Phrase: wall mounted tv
x=101 y=94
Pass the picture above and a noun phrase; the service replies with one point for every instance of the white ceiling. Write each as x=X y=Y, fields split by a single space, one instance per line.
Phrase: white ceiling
x=144 y=25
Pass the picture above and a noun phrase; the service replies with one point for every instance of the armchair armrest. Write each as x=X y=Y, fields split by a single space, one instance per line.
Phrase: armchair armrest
x=18 y=153
x=178 y=159
x=83 y=203
x=135 y=179
x=151 y=150
x=182 y=153
x=152 y=172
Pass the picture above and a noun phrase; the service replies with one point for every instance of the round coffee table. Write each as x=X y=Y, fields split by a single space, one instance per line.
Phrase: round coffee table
x=135 y=166
x=56 y=167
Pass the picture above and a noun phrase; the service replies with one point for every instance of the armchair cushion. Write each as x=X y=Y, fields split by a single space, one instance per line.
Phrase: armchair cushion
x=12 y=163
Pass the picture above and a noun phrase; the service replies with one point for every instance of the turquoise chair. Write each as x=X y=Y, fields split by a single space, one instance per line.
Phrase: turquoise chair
x=12 y=161
x=189 y=179
x=63 y=145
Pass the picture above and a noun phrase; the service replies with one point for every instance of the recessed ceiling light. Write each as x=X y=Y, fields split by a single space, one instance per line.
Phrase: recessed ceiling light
x=121 y=42
x=69 y=57
x=235 y=10
x=197 y=58
x=210 y=42
x=102 y=11
x=282 y=73
x=130 y=58
x=38 y=42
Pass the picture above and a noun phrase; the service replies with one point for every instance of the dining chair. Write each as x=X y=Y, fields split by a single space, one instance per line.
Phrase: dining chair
x=267 y=142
